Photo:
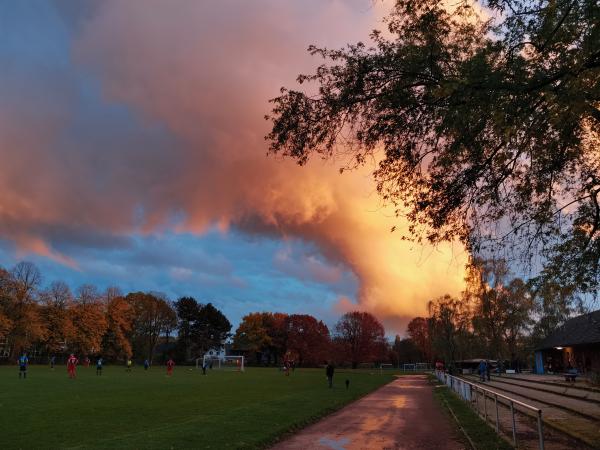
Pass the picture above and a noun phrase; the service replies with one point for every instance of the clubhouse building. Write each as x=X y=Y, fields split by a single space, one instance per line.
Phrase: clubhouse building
x=575 y=344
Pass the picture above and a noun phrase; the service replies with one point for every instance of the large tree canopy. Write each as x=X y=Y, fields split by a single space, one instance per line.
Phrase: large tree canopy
x=483 y=119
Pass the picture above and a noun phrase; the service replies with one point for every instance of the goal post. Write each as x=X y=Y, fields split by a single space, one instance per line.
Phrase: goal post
x=235 y=363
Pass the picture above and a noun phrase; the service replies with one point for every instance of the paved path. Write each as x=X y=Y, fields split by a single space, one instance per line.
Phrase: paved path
x=400 y=415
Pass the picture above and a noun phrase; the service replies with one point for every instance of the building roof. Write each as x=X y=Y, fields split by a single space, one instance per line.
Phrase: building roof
x=579 y=330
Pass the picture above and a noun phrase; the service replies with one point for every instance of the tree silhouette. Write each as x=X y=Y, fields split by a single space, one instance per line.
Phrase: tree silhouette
x=484 y=129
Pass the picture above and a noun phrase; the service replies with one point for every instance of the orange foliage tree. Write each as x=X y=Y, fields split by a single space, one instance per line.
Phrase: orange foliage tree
x=120 y=316
x=25 y=323
x=88 y=316
x=361 y=337
x=308 y=338
x=56 y=302
x=264 y=335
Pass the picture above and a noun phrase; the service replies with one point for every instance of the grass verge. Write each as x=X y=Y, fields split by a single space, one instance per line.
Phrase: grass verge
x=480 y=434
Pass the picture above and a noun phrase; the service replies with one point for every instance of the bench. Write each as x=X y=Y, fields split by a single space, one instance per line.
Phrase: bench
x=570 y=376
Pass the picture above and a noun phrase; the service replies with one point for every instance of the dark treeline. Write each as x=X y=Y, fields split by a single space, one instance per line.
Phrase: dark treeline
x=498 y=317
x=54 y=321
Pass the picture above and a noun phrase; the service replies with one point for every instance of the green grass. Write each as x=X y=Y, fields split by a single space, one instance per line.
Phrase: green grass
x=150 y=410
x=482 y=435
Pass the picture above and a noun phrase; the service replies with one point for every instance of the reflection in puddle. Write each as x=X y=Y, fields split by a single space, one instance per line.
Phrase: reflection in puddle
x=400 y=401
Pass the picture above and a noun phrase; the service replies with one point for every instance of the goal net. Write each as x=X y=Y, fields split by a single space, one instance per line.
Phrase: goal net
x=235 y=363
x=423 y=366
x=4 y=349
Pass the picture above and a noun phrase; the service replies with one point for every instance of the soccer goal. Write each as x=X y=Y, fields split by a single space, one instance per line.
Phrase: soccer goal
x=221 y=362
x=423 y=367
x=383 y=367
x=409 y=367
x=4 y=349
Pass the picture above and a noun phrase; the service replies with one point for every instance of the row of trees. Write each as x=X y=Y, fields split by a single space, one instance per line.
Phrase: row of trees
x=55 y=321
x=267 y=338
x=497 y=316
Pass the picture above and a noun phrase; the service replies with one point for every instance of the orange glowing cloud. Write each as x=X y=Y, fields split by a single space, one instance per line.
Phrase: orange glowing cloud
x=205 y=70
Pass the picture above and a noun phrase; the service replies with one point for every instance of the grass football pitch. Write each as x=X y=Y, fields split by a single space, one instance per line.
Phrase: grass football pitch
x=142 y=409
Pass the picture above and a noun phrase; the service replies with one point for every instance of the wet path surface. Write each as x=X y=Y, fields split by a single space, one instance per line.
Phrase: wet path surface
x=400 y=415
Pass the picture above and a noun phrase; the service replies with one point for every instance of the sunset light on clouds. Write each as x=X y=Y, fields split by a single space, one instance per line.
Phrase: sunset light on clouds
x=133 y=154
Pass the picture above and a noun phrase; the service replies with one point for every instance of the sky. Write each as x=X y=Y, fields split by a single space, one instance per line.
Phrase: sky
x=132 y=153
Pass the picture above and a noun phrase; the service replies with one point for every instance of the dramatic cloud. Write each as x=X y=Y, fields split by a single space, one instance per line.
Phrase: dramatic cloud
x=148 y=117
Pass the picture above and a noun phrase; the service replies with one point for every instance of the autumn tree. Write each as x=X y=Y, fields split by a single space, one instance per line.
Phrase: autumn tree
x=110 y=293
x=27 y=326
x=88 y=317
x=5 y=326
x=56 y=303
x=276 y=328
x=520 y=305
x=308 y=338
x=252 y=335
x=450 y=321
x=490 y=308
x=5 y=304
x=419 y=333
x=154 y=316
x=54 y=321
x=485 y=126
x=362 y=337
x=263 y=334
x=501 y=306
x=552 y=307
x=120 y=317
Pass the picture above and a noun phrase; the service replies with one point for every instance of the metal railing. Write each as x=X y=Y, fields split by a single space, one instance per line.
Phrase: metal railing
x=466 y=390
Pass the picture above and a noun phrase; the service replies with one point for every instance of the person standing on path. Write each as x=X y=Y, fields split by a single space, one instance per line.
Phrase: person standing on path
x=329 y=372
x=482 y=370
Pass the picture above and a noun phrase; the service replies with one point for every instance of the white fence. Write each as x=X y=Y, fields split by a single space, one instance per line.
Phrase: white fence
x=471 y=393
